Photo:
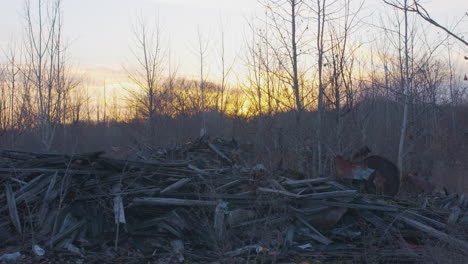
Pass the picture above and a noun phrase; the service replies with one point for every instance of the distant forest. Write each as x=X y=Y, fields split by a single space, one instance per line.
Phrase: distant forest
x=312 y=87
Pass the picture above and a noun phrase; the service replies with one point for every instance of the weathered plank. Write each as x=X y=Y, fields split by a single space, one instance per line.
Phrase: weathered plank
x=67 y=231
x=51 y=171
x=219 y=216
x=175 y=186
x=228 y=185
x=359 y=206
x=290 y=182
x=243 y=250
x=11 y=200
x=316 y=235
x=285 y=193
x=119 y=210
x=219 y=153
x=434 y=232
x=178 y=249
x=425 y=219
x=333 y=194
x=48 y=196
x=172 y=201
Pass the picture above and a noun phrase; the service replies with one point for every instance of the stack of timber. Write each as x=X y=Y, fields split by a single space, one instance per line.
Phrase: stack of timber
x=201 y=204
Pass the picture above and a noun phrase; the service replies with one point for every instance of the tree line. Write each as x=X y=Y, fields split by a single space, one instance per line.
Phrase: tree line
x=317 y=80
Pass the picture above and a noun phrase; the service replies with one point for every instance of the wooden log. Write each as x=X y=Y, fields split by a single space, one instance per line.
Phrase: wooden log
x=26 y=186
x=200 y=172
x=14 y=179
x=285 y=193
x=425 y=219
x=322 y=195
x=218 y=152
x=289 y=236
x=220 y=212
x=197 y=170
x=29 y=192
x=172 y=201
x=119 y=210
x=178 y=249
x=433 y=232
x=308 y=210
x=454 y=215
x=359 y=206
x=316 y=235
x=175 y=186
x=277 y=185
x=30 y=154
x=228 y=185
x=63 y=234
x=11 y=200
x=170 y=229
x=129 y=192
x=50 y=171
x=12 y=155
x=338 y=185
x=271 y=220
x=333 y=194
x=305 y=182
x=48 y=197
x=314 y=189
x=243 y=250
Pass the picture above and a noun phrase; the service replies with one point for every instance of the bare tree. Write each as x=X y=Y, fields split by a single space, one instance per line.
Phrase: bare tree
x=288 y=23
x=202 y=51
x=169 y=92
x=280 y=62
x=253 y=87
x=147 y=76
x=321 y=4
x=45 y=60
x=340 y=63
x=225 y=72
x=417 y=8
x=3 y=102
x=11 y=91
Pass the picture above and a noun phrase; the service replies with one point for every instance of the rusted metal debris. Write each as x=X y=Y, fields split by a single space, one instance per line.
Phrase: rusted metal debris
x=380 y=175
x=200 y=203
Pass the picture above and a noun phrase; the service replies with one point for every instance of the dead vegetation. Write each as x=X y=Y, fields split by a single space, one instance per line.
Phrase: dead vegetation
x=203 y=202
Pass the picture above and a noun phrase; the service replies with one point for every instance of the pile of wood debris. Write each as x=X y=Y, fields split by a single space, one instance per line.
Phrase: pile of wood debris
x=201 y=204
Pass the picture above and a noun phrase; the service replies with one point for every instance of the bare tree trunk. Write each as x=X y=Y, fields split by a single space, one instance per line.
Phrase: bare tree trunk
x=43 y=48
x=202 y=48
x=294 y=65
x=13 y=71
x=225 y=72
x=406 y=97
x=320 y=49
x=149 y=58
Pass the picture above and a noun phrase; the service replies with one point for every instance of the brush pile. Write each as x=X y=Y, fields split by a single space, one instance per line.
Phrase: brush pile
x=201 y=203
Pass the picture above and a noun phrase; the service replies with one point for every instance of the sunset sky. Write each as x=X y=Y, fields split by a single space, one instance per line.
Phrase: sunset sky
x=100 y=36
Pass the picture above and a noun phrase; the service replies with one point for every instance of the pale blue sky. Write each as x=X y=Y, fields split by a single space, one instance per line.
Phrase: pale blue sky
x=100 y=31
